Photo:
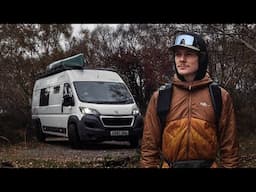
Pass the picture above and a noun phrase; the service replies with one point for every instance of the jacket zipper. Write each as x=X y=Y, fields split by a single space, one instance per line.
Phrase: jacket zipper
x=189 y=119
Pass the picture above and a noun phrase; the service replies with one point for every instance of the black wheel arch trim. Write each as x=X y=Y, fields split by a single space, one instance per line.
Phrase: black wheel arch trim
x=37 y=120
x=73 y=119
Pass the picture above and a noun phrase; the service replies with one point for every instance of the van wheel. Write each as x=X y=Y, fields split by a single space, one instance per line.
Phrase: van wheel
x=73 y=136
x=134 y=142
x=39 y=133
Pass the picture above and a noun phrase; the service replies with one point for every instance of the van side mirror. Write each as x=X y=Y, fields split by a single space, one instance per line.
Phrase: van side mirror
x=68 y=100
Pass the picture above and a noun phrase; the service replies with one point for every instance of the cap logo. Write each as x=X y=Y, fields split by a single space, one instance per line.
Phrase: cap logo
x=182 y=42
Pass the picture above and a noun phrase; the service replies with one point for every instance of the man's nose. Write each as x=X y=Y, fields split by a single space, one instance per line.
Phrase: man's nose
x=182 y=57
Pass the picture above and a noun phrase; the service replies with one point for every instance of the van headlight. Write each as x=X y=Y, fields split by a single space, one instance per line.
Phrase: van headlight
x=86 y=110
x=136 y=111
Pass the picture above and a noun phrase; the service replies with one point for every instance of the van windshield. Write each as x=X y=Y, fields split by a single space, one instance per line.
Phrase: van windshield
x=103 y=92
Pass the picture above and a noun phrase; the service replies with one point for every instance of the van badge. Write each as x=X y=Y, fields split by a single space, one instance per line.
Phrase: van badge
x=116 y=112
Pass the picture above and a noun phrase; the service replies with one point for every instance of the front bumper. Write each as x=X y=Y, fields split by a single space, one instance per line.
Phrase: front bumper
x=92 y=128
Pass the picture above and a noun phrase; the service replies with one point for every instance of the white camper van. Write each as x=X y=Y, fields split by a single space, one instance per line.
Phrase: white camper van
x=84 y=104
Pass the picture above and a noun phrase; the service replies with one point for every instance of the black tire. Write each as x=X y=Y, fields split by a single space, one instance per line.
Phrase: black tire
x=73 y=136
x=39 y=133
x=134 y=142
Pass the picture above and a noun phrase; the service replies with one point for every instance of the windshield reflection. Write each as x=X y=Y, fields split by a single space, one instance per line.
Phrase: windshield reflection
x=103 y=92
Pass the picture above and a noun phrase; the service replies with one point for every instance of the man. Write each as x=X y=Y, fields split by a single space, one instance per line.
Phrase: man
x=190 y=137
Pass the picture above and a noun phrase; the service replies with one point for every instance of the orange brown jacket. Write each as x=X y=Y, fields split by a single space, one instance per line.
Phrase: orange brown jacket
x=190 y=130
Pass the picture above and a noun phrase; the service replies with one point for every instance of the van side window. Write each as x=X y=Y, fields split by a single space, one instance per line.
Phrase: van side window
x=56 y=89
x=44 y=97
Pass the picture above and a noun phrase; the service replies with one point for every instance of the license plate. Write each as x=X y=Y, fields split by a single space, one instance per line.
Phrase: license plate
x=119 y=133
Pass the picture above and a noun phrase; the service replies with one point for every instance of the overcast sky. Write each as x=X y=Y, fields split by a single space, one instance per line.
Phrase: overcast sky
x=78 y=27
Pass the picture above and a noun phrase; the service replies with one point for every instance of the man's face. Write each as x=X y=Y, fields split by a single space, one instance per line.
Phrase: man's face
x=186 y=61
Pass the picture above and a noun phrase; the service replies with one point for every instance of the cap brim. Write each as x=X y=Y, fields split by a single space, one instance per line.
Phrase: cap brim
x=186 y=46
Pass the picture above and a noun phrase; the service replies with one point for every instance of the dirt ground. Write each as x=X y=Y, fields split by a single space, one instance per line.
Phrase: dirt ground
x=57 y=153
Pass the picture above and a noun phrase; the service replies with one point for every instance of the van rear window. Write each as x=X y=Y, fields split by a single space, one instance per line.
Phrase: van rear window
x=44 y=97
x=103 y=92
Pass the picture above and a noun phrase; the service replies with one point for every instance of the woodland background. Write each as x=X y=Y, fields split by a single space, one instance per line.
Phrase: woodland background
x=138 y=52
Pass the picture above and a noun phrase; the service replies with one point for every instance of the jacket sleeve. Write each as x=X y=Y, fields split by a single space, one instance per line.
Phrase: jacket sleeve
x=228 y=141
x=151 y=140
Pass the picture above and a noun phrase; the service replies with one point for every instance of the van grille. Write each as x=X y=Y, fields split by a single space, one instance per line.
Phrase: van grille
x=119 y=121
